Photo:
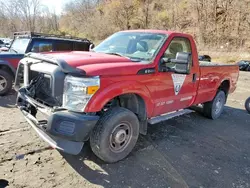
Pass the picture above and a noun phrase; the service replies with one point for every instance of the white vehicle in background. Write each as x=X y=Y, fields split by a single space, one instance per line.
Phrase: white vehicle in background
x=5 y=44
x=2 y=43
x=6 y=41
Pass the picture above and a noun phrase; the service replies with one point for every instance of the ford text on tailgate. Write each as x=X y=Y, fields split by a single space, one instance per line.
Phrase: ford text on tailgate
x=109 y=95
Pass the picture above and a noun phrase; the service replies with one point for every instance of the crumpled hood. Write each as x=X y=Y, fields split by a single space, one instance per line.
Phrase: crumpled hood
x=97 y=64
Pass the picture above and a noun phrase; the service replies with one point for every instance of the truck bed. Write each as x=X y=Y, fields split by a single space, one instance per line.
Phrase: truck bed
x=211 y=77
x=209 y=64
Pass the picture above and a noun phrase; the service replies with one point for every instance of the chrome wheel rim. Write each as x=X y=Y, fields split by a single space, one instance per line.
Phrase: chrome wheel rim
x=218 y=105
x=3 y=83
x=120 y=137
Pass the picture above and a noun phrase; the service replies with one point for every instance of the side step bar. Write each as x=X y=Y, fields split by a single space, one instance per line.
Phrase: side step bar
x=170 y=115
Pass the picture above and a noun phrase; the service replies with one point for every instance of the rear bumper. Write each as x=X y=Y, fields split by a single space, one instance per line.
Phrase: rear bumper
x=61 y=129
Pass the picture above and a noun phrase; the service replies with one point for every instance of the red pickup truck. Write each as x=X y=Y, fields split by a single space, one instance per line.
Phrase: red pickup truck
x=109 y=95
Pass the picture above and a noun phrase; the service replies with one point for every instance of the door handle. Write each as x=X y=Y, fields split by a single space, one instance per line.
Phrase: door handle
x=194 y=77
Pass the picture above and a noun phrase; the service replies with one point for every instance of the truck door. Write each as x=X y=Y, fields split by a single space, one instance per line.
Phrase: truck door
x=176 y=91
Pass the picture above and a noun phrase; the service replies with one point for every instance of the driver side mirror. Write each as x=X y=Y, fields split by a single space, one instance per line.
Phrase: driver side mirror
x=181 y=64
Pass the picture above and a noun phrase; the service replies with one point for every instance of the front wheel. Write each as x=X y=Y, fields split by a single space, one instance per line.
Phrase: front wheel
x=214 y=108
x=115 y=135
x=6 y=80
x=247 y=104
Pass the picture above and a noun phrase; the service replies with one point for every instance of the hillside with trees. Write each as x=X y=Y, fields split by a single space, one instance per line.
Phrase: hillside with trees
x=214 y=23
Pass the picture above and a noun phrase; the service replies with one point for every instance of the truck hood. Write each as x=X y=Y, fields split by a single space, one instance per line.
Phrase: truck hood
x=100 y=64
x=8 y=54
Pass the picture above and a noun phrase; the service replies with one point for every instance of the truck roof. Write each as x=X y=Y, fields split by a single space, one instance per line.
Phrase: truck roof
x=48 y=36
x=167 y=32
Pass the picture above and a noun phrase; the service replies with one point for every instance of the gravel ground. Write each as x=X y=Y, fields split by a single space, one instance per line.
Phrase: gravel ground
x=189 y=151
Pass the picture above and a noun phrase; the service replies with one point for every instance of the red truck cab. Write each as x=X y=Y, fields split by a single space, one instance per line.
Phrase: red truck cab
x=110 y=95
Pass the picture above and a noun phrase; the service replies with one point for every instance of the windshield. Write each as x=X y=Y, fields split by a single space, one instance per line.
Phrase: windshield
x=140 y=46
x=20 y=45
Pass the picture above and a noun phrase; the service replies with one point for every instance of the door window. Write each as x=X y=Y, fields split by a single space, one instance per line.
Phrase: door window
x=42 y=46
x=63 y=46
x=81 y=46
x=178 y=44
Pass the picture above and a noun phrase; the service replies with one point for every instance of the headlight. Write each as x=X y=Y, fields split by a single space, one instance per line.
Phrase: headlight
x=78 y=91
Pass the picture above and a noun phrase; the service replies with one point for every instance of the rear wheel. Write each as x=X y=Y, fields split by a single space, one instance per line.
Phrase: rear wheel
x=6 y=80
x=214 y=108
x=115 y=135
x=247 y=105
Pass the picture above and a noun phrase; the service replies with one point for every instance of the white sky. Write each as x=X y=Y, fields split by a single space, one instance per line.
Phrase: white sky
x=56 y=5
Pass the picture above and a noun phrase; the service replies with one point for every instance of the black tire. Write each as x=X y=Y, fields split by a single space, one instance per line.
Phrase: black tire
x=8 y=79
x=214 y=108
x=101 y=138
x=247 y=104
x=248 y=68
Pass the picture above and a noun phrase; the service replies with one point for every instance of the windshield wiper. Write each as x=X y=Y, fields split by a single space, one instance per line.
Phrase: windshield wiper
x=14 y=50
x=118 y=54
x=134 y=59
x=114 y=53
x=137 y=59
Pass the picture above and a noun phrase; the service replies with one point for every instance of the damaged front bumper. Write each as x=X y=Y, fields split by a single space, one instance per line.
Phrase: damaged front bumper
x=61 y=129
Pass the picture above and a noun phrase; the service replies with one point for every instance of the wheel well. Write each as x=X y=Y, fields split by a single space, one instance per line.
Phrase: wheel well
x=134 y=103
x=225 y=85
x=7 y=69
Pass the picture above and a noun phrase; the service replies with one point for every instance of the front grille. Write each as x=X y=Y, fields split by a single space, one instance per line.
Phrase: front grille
x=41 y=89
x=41 y=86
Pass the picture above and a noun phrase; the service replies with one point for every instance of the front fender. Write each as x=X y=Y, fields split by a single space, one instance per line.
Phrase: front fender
x=103 y=96
x=7 y=64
